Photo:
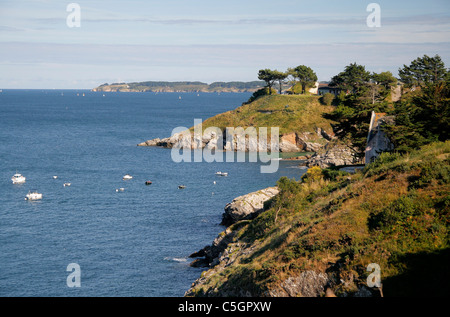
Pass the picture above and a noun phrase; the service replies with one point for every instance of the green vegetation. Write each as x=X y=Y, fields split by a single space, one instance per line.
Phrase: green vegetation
x=362 y=93
x=304 y=75
x=327 y=99
x=395 y=213
x=422 y=114
x=299 y=78
x=291 y=113
x=423 y=71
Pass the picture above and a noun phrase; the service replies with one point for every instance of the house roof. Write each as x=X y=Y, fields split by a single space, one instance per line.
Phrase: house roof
x=328 y=87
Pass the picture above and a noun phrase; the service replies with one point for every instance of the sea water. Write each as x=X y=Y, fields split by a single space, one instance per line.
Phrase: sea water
x=134 y=242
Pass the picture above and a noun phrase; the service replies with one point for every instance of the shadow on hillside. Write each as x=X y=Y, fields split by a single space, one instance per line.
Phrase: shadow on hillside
x=427 y=276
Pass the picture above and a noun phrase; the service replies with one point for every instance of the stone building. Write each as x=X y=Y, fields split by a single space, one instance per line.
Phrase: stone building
x=377 y=141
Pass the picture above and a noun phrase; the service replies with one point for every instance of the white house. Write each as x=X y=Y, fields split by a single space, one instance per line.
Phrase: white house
x=324 y=88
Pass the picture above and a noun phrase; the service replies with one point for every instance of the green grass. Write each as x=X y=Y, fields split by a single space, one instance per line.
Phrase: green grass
x=291 y=113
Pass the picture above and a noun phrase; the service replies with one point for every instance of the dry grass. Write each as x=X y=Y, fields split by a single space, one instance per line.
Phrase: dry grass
x=382 y=216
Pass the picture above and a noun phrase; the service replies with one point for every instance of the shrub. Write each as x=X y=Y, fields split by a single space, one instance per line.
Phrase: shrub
x=327 y=99
x=333 y=175
x=261 y=92
x=313 y=174
x=432 y=169
x=287 y=185
x=381 y=163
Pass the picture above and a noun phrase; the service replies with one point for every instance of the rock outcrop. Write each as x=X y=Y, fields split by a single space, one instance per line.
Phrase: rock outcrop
x=307 y=284
x=334 y=155
x=291 y=142
x=247 y=206
x=244 y=207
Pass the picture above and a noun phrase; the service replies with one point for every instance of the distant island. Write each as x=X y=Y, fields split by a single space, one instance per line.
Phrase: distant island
x=182 y=86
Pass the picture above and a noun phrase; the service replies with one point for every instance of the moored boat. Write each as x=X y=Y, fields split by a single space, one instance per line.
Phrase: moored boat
x=33 y=196
x=18 y=179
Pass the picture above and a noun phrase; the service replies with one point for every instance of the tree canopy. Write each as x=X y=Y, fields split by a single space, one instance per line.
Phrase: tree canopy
x=423 y=70
x=352 y=79
x=421 y=116
x=305 y=76
x=269 y=76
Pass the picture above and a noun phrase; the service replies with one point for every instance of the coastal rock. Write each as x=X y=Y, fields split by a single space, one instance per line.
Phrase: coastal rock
x=288 y=143
x=307 y=284
x=325 y=134
x=243 y=207
x=305 y=141
x=247 y=206
x=212 y=139
x=333 y=155
x=153 y=142
x=312 y=147
x=210 y=255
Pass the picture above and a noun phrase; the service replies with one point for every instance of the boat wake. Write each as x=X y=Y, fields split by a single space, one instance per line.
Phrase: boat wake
x=174 y=259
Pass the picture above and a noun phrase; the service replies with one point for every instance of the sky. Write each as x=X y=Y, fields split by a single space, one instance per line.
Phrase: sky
x=209 y=40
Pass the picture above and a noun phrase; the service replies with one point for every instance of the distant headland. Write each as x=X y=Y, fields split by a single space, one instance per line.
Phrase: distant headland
x=182 y=86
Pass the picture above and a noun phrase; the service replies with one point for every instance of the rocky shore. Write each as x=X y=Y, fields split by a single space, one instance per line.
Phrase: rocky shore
x=245 y=207
x=327 y=150
x=227 y=248
x=291 y=142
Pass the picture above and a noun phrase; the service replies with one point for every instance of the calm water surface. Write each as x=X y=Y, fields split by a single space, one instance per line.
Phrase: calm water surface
x=130 y=243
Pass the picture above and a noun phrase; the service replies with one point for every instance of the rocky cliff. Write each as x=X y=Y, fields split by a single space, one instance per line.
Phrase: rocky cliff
x=291 y=142
x=334 y=154
x=245 y=207
x=299 y=119
x=318 y=237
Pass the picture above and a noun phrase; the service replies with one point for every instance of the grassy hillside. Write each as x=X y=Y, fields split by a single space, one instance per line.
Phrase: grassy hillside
x=394 y=213
x=291 y=113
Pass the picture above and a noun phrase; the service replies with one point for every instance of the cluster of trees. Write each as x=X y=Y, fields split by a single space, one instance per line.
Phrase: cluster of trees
x=302 y=75
x=421 y=115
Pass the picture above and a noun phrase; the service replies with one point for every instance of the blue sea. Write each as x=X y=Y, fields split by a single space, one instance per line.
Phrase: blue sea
x=134 y=243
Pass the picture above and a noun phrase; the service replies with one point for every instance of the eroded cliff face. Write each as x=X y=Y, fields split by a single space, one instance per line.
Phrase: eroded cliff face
x=291 y=142
x=334 y=154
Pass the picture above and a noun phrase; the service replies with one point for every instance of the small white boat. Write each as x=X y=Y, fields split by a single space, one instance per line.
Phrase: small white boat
x=67 y=184
x=55 y=177
x=127 y=177
x=222 y=173
x=120 y=190
x=18 y=179
x=33 y=196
